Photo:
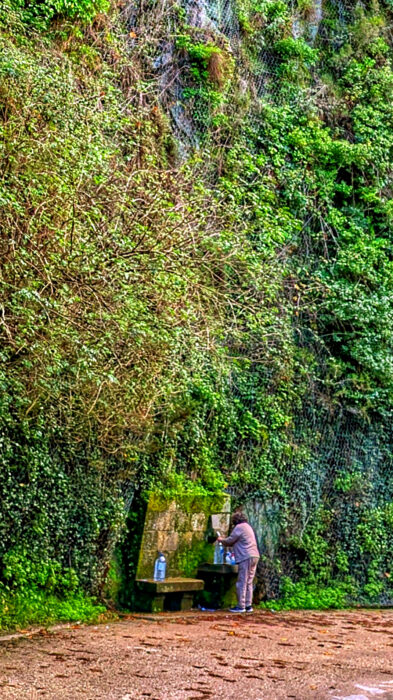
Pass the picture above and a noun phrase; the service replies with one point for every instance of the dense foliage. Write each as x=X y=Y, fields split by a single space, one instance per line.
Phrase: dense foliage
x=196 y=287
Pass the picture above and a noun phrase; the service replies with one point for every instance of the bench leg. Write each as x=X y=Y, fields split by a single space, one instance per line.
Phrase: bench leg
x=157 y=604
x=186 y=601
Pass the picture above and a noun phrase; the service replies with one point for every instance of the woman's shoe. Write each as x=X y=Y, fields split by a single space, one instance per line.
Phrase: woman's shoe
x=249 y=608
x=236 y=609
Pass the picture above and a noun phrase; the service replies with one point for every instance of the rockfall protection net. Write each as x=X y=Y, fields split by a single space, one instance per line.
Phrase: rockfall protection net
x=156 y=24
x=345 y=481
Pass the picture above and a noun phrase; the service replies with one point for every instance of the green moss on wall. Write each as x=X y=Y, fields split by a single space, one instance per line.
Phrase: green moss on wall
x=188 y=559
x=185 y=502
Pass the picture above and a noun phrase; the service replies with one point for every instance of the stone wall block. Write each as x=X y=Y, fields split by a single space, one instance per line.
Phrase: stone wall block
x=172 y=507
x=226 y=507
x=159 y=504
x=220 y=522
x=150 y=520
x=168 y=541
x=186 y=540
x=145 y=565
x=164 y=521
x=182 y=522
x=149 y=542
x=198 y=521
x=171 y=564
x=198 y=536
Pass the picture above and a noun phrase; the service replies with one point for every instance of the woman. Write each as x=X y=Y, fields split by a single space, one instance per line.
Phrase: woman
x=243 y=542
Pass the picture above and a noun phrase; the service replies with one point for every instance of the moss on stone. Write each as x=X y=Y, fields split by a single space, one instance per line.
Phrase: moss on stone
x=187 y=503
x=177 y=527
x=189 y=559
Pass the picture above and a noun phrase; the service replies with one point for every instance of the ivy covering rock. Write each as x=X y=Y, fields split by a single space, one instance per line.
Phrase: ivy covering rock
x=196 y=288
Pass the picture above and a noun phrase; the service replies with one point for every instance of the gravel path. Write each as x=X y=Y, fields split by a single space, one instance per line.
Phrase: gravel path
x=207 y=656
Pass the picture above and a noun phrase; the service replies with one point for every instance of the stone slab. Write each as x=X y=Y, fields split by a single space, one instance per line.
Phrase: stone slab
x=226 y=506
x=171 y=585
x=198 y=521
x=182 y=522
x=167 y=541
x=161 y=521
x=220 y=522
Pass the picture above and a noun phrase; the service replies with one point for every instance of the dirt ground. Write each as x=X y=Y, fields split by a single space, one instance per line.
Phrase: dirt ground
x=207 y=656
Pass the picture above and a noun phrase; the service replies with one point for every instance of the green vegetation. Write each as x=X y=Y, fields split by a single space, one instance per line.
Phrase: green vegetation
x=40 y=14
x=196 y=291
x=300 y=596
x=34 y=592
x=189 y=559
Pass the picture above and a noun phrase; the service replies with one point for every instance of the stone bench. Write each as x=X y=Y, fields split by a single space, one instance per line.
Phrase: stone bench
x=165 y=592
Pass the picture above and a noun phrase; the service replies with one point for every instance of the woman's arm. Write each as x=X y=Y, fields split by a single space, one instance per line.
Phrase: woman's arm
x=229 y=541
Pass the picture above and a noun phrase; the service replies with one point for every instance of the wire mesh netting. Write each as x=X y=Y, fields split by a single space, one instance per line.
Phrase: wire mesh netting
x=340 y=494
x=156 y=25
x=343 y=481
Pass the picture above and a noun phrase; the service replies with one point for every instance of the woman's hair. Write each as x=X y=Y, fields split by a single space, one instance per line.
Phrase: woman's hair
x=238 y=518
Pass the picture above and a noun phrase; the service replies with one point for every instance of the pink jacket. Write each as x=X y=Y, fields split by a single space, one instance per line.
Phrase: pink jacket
x=242 y=540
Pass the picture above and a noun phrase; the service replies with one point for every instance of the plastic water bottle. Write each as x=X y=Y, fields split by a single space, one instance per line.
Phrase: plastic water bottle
x=228 y=558
x=160 y=567
x=218 y=553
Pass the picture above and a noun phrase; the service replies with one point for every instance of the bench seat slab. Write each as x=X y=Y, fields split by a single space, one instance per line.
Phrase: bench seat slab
x=171 y=585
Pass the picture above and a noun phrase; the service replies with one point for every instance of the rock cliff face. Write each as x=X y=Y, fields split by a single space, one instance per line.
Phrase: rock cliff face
x=196 y=284
x=254 y=37
x=222 y=69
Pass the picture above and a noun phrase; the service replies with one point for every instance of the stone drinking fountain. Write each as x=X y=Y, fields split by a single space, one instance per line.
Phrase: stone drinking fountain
x=183 y=531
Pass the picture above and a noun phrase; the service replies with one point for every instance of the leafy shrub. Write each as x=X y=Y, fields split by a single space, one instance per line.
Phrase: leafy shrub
x=35 y=607
x=35 y=592
x=209 y=63
x=303 y=596
x=41 y=13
